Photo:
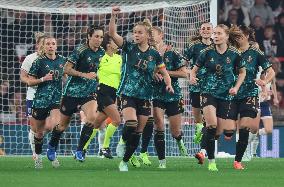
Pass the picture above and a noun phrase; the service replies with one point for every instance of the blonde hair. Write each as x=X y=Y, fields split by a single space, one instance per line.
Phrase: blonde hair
x=148 y=26
x=40 y=36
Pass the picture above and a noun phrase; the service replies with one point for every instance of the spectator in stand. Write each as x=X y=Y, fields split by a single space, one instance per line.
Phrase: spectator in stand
x=243 y=12
x=262 y=9
x=258 y=27
x=279 y=35
x=269 y=42
x=48 y=27
x=248 y=3
x=69 y=43
x=233 y=17
x=4 y=96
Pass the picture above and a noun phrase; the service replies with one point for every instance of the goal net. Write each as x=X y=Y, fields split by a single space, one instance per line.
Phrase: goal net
x=68 y=21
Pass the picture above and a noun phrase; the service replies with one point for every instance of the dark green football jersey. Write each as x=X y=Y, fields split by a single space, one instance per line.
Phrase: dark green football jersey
x=173 y=62
x=85 y=60
x=191 y=52
x=254 y=59
x=48 y=93
x=138 y=70
x=221 y=71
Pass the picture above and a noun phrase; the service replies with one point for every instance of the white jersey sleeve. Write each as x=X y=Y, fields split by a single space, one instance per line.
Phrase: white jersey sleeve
x=26 y=66
x=27 y=63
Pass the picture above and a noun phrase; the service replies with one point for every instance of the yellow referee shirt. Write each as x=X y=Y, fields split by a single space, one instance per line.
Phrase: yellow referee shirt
x=109 y=72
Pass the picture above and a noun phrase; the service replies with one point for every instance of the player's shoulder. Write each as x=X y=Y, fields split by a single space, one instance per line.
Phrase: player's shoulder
x=82 y=47
x=207 y=49
x=234 y=50
x=193 y=43
x=40 y=57
x=257 y=50
x=31 y=57
x=62 y=57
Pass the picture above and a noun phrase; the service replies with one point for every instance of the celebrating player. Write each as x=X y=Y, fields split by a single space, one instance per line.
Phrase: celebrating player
x=224 y=74
x=140 y=62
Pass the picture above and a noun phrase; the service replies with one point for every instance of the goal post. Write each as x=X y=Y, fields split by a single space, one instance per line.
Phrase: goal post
x=67 y=20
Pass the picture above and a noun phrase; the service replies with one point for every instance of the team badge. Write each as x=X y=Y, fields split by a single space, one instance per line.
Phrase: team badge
x=34 y=113
x=124 y=102
x=211 y=60
x=78 y=107
x=63 y=108
x=167 y=60
x=228 y=60
x=89 y=59
x=249 y=59
x=204 y=99
x=150 y=58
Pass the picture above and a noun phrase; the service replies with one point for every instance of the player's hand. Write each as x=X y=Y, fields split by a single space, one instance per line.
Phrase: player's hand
x=170 y=89
x=47 y=77
x=233 y=91
x=275 y=101
x=158 y=77
x=193 y=80
x=115 y=10
x=91 y=75
x=260 y=82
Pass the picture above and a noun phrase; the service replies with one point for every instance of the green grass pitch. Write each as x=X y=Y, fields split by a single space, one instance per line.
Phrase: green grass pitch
x=19 y=171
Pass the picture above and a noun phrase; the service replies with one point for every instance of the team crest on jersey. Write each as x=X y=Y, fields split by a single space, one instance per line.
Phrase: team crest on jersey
x=89 y=59
x=78 y=107
x=249 y=59
x=63 y=108
x=47 y=66
x=167 y=59
x=204 y=99
x=150 y=58
x=124 y=102
x=212 y=60
x=34 y=113
x=228 y=60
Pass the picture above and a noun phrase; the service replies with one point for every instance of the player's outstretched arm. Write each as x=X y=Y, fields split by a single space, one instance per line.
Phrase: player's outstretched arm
x=112 y=27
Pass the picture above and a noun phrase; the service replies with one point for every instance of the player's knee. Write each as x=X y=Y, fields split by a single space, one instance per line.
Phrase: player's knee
x=229 y=133
x=211 y=126
x=268 y=131
x=177 y=136
x=217 y=136
x=254 y=130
